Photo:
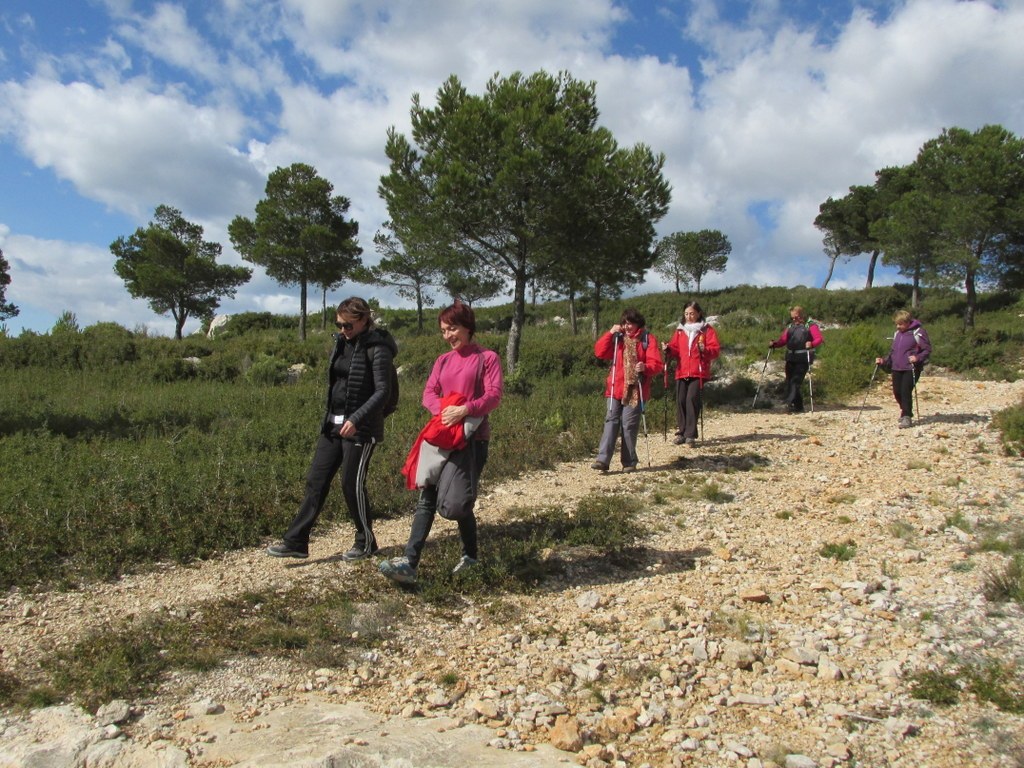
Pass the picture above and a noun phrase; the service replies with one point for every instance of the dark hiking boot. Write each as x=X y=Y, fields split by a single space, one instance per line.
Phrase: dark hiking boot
x=283 y=550
x=358 y=552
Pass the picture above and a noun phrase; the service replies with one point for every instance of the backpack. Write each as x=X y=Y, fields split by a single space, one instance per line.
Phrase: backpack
x=796 y=342
x=391 y=404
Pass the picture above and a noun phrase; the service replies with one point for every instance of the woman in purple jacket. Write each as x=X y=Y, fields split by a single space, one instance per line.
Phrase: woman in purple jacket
x=909 y=352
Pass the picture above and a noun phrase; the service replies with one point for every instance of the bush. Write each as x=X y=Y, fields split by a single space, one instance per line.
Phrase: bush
x=268 y=371
x=116 y=452
x=1010 y=423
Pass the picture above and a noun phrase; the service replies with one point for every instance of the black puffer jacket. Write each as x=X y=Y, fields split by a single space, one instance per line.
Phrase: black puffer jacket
x=367 y=389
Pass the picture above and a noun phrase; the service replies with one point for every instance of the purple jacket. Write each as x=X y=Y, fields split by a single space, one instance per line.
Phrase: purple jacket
x=913 y=341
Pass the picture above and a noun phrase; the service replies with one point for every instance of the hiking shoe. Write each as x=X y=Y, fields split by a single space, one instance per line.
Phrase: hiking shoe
x=398 y=569
x=465 y=564
x=358 y=552
x=691 y=441
x=906 y=421
x=678 y=440
x=629 y=468
x=600 y=466
x=283 y=550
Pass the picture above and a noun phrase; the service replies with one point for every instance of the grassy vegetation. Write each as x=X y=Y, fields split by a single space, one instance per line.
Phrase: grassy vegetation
x=841 y=551
x=997 y=683
x=119 y=450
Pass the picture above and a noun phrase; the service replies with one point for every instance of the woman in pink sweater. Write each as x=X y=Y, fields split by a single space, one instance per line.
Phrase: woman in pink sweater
x=474 y=372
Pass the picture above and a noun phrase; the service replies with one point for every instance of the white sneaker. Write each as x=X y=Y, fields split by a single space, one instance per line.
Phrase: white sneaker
x=465 y=564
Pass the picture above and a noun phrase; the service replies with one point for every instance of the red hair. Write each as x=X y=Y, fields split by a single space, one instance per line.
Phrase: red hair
x=459 y=314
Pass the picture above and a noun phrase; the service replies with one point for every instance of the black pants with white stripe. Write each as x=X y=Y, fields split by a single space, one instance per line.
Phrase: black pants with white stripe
x=334 y=453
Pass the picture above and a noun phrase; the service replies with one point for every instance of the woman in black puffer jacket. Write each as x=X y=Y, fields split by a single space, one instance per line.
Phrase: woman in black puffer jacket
x=358 y=388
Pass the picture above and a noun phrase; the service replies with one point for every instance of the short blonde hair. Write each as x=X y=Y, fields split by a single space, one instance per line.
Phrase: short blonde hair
x=902 y=316
x=800 y=312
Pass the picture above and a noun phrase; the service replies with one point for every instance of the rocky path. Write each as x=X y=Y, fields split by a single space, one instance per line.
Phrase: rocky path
x=733 y=643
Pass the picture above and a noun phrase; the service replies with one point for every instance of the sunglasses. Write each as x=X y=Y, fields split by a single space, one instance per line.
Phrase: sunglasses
x=344 y=326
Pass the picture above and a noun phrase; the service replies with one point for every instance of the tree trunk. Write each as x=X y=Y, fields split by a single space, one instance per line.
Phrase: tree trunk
x=179 y=323
x=595 y=306
x=972 y=298
x=677 y=284
x=915 y=291
x=302 y=310
x=518 y=319
x=323 y=310
x=419 y=308
x=871 y=268
x=574 y=319
x=831 y=268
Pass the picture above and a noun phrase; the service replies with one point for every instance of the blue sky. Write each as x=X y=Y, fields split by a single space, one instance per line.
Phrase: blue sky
x=109 y=108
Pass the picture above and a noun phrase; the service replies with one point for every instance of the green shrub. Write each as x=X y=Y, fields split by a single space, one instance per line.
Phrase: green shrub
x=940 y=688
x=268 y=371
x=999 y=683
x=1010 y=423
x=116 y=453
x=1006 y=583
x=839 y=550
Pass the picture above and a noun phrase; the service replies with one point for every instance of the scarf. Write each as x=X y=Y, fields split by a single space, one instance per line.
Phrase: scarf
x=630 y=390
x=692 y=331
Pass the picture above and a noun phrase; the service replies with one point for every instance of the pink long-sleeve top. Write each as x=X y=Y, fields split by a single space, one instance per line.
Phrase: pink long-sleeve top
x=461 y=370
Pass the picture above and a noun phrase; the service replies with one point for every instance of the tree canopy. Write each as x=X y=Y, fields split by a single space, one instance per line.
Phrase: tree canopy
x=6 y=308
x=960 y=217
x=955 y=216
x=512 y=184
x=847 y=222
x=169 y=263
x=689 y=256
x=300 y=235
x=412 y=272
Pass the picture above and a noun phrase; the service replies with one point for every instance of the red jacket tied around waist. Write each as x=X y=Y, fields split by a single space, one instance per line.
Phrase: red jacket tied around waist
x=436 y=434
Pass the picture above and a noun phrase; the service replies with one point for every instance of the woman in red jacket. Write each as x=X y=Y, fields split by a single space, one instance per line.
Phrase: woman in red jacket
x=694 y=345
x=636 y=358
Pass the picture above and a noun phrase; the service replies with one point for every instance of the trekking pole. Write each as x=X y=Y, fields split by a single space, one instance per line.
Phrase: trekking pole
x=700 y=392
x=643 y=416
x=615 y=352
x=700 y=404
x=917 y=404
x=664 y=408
x=810 y=379
x=761 y=380
x=864 y=404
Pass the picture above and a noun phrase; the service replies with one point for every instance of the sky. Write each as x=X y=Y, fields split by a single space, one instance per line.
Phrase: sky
x=763 y=110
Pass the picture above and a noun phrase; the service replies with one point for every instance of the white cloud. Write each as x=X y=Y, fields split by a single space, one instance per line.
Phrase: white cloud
x=54 y=276
x=779 y=114
x=131 y=148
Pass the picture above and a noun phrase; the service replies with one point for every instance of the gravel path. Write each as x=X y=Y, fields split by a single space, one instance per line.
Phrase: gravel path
x=733 y=642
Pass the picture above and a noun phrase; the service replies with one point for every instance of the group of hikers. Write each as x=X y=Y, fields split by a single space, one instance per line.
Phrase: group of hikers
x=465 y=384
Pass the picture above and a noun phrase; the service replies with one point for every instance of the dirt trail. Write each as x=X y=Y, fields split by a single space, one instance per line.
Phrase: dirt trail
x=733 y=638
